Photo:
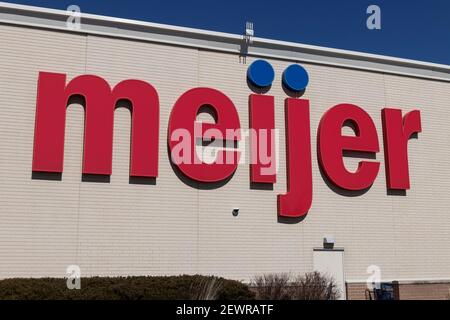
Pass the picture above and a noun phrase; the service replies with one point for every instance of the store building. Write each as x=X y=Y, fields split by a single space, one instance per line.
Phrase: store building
x=72 y=193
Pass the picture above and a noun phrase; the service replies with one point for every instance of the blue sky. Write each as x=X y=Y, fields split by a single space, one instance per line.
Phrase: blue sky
x=411 y=29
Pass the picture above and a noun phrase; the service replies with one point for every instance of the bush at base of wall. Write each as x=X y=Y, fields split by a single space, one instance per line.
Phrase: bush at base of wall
x=129 y=288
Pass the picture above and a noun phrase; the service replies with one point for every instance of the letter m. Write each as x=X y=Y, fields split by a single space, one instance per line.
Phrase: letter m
x=100 y=101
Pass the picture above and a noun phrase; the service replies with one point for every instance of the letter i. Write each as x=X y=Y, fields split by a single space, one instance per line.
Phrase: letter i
x=262 y=124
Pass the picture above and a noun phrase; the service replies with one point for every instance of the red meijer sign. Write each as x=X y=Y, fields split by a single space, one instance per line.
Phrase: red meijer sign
x=54 y=93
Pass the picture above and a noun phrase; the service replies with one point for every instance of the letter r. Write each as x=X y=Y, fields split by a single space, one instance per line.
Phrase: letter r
x=396 y=132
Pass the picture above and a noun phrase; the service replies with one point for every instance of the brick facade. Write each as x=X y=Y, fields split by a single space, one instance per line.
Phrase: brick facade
x=417 y=290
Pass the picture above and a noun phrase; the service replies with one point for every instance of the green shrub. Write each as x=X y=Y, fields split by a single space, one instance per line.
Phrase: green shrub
x=126 y=288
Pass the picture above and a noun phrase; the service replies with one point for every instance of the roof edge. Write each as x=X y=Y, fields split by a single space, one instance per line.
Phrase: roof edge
x=135 y=29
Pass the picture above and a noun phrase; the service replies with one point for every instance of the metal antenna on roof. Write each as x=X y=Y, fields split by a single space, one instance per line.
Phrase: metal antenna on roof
x=248 y=40
x=249 y=32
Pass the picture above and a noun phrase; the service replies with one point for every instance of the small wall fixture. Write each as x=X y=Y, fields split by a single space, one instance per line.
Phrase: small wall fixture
x=328 y=242
x=235 y=212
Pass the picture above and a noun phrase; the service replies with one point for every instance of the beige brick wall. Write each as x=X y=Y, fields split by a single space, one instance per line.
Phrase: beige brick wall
x=421 y=290
x=119 y=228
x=425 y=291
x=356 y=291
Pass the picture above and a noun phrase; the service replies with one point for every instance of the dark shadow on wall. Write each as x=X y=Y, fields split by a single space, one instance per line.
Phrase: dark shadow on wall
x=286 y=220
x=96 y=178
x=256 y=89
x=261 y=186
x=208 y=109
x=77 y=99
x=143 y=181
x=50 y=176
x=93 y=178
x=394 y=192
x=359 y=155
x=289 y=220
x=340 y=191
x=293 y=94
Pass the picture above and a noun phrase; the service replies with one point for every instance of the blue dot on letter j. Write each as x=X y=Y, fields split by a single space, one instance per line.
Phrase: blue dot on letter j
x=295 y=78
x=260 y=73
